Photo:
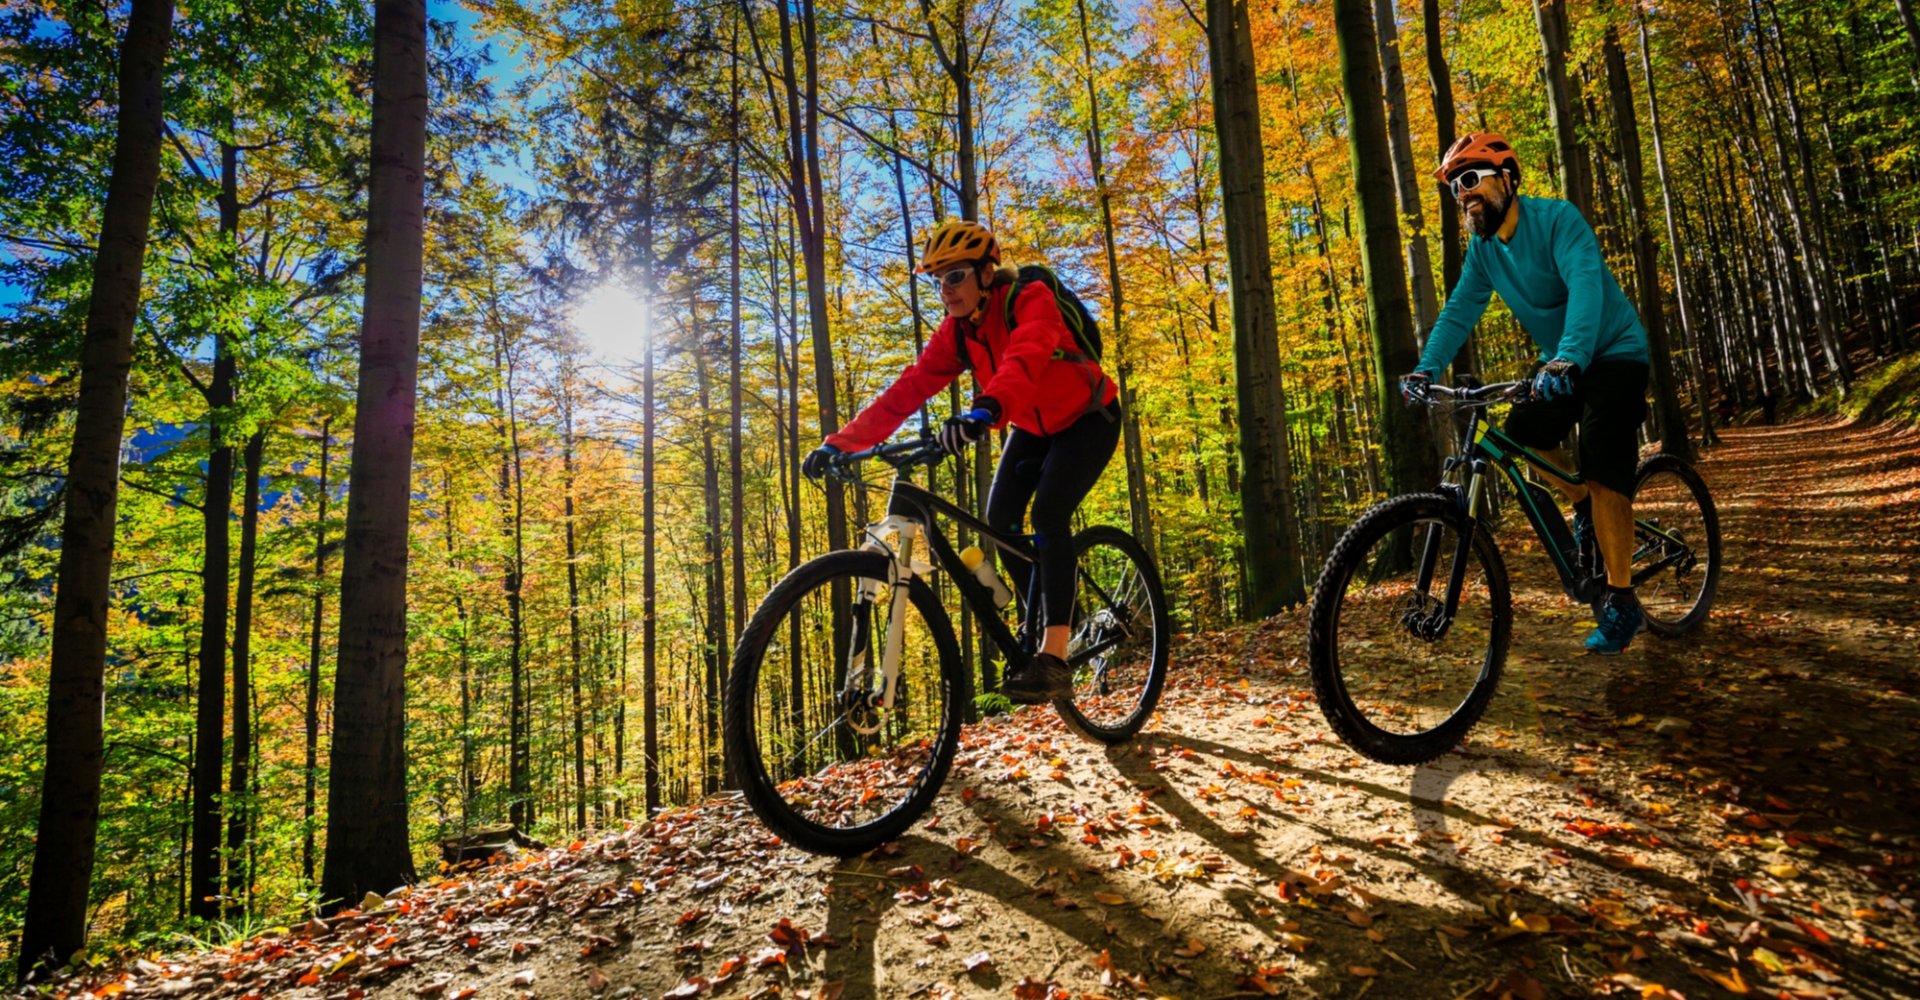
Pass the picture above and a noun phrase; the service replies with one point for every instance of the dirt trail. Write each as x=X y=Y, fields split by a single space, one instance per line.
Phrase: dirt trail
x=1238 y=849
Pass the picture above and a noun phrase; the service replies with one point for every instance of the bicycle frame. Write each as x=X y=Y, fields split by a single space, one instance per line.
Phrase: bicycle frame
x=912 y=512
x=1485 y=448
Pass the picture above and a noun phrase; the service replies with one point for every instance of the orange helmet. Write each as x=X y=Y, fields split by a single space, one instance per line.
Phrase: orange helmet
x=1476 y=149
x=956 y=243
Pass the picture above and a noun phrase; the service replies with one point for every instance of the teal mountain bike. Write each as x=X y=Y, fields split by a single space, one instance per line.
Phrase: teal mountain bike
x=1412 y=614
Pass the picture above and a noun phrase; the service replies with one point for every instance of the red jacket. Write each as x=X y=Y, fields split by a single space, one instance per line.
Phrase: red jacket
x=1037 y=391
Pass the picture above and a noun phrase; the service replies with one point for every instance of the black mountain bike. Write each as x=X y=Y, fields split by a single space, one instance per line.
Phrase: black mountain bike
x=847 y=691
x=1412 y=614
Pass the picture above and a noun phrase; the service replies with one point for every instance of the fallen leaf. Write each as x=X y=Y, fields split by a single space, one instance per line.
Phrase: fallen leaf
x=976 y=961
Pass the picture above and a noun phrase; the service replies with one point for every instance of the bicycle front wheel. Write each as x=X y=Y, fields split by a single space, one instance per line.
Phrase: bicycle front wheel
x=1676 y=545
x=1401 y=670
x=1118 y=650
x=824 y=766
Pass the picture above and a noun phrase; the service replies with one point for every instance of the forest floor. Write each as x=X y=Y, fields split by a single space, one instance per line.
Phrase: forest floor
x=1735 y=811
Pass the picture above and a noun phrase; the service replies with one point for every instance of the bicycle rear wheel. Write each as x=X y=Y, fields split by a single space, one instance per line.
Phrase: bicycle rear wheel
x=1121 y=635
x=1676 y=545
x=1399 y=677
x=825 y=769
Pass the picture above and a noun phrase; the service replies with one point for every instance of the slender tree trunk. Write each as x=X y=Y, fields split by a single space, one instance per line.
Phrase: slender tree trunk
x=239 y=890
x=309 y=801
x=1410 y=464
x=512 y=522
x=216 y=515
x=367 y=843
x=1406 y=177
x=1266 y=489
x=467 y=777
x=1688 y=330
x=1440 y=77
x=56 y=917
x=1576 y=177
x=573 y=609
x=1140 y=513
x=713 y=579
x=1666 y=393
x=649 y=675
x=736 y=414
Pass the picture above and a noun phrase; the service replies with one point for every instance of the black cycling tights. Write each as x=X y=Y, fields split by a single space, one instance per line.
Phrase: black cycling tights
x=1056 y=473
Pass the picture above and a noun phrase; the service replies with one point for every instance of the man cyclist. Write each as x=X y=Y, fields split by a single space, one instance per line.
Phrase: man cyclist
x=1031 y=373
x=1541 y=256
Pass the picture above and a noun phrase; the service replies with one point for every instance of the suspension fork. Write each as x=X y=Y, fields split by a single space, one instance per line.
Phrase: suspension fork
x=901 y=569
x=1430 y=552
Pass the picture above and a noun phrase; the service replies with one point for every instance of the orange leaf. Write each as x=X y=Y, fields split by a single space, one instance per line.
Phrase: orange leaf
x=1363 y=971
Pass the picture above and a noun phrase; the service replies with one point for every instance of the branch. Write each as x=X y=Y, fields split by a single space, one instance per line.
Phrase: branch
x=875 y=22
x=939 y=50
x=192 y=163
x=1197 y=19
x=130 y=484
x=158 y=572
x=272 y=192
x=205 y=391
x=891 y=149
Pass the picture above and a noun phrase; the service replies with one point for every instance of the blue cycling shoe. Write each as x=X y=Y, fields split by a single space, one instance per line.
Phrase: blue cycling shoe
x=1620 y=621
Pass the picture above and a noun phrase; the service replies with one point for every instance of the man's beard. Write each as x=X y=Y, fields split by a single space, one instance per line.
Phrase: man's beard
x=1486 y=222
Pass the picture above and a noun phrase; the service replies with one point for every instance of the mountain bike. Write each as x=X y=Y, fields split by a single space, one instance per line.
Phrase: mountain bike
x=1412 y=614
x=847 y=691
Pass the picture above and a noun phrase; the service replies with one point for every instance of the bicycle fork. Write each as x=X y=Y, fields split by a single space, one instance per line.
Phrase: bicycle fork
x=862 y=697
x=1422 y=617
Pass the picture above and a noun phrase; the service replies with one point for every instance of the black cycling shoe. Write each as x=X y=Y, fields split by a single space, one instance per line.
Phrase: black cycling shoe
x=1044 y=678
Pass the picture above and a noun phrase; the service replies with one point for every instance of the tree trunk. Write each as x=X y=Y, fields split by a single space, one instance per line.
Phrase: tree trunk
x=1266 y=489
x=309 y=802
x=467 y=777
x=56 y=917
x=1576 y=177
x=1688 y=330
x=367 y=844
x=1452 y=256
x=216 y=541
x=1666 y=394
x=1410 y=464
x=1913 y=29
x=512 y=489
x=239 y=887
x=735 y=408
x=649 y=670
x=1406 y=177
x=1137 y=501
x=713 y=579
x=573 y=608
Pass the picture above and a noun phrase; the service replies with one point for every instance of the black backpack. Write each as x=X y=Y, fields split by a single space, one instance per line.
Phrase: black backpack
x=1086 y=332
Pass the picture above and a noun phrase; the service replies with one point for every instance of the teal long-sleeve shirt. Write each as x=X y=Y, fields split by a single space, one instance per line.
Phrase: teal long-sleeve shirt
x=1555 y=282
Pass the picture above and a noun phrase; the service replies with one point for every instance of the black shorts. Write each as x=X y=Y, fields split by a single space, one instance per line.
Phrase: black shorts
x=1609 y=403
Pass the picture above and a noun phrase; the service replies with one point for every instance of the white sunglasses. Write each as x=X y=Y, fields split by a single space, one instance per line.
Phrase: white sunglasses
x=953 y=278
x=1469 y=179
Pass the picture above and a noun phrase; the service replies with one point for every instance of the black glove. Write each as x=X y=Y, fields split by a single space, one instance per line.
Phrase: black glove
x=815 y=464
x=1413 y=388
x=1555 y=378
x=967 y=428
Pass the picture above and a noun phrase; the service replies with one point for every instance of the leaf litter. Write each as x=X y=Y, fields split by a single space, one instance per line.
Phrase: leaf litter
x=1729 y=812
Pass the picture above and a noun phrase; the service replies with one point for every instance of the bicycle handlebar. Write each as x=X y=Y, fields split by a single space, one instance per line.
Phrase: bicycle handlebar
x=920 y=450
x=1497 y=392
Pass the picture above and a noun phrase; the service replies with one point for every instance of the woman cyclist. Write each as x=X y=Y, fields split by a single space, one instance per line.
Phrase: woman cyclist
x=1031 y=373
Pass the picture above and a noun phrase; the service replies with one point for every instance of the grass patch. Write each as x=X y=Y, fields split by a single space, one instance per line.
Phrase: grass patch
x=1887 y=392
